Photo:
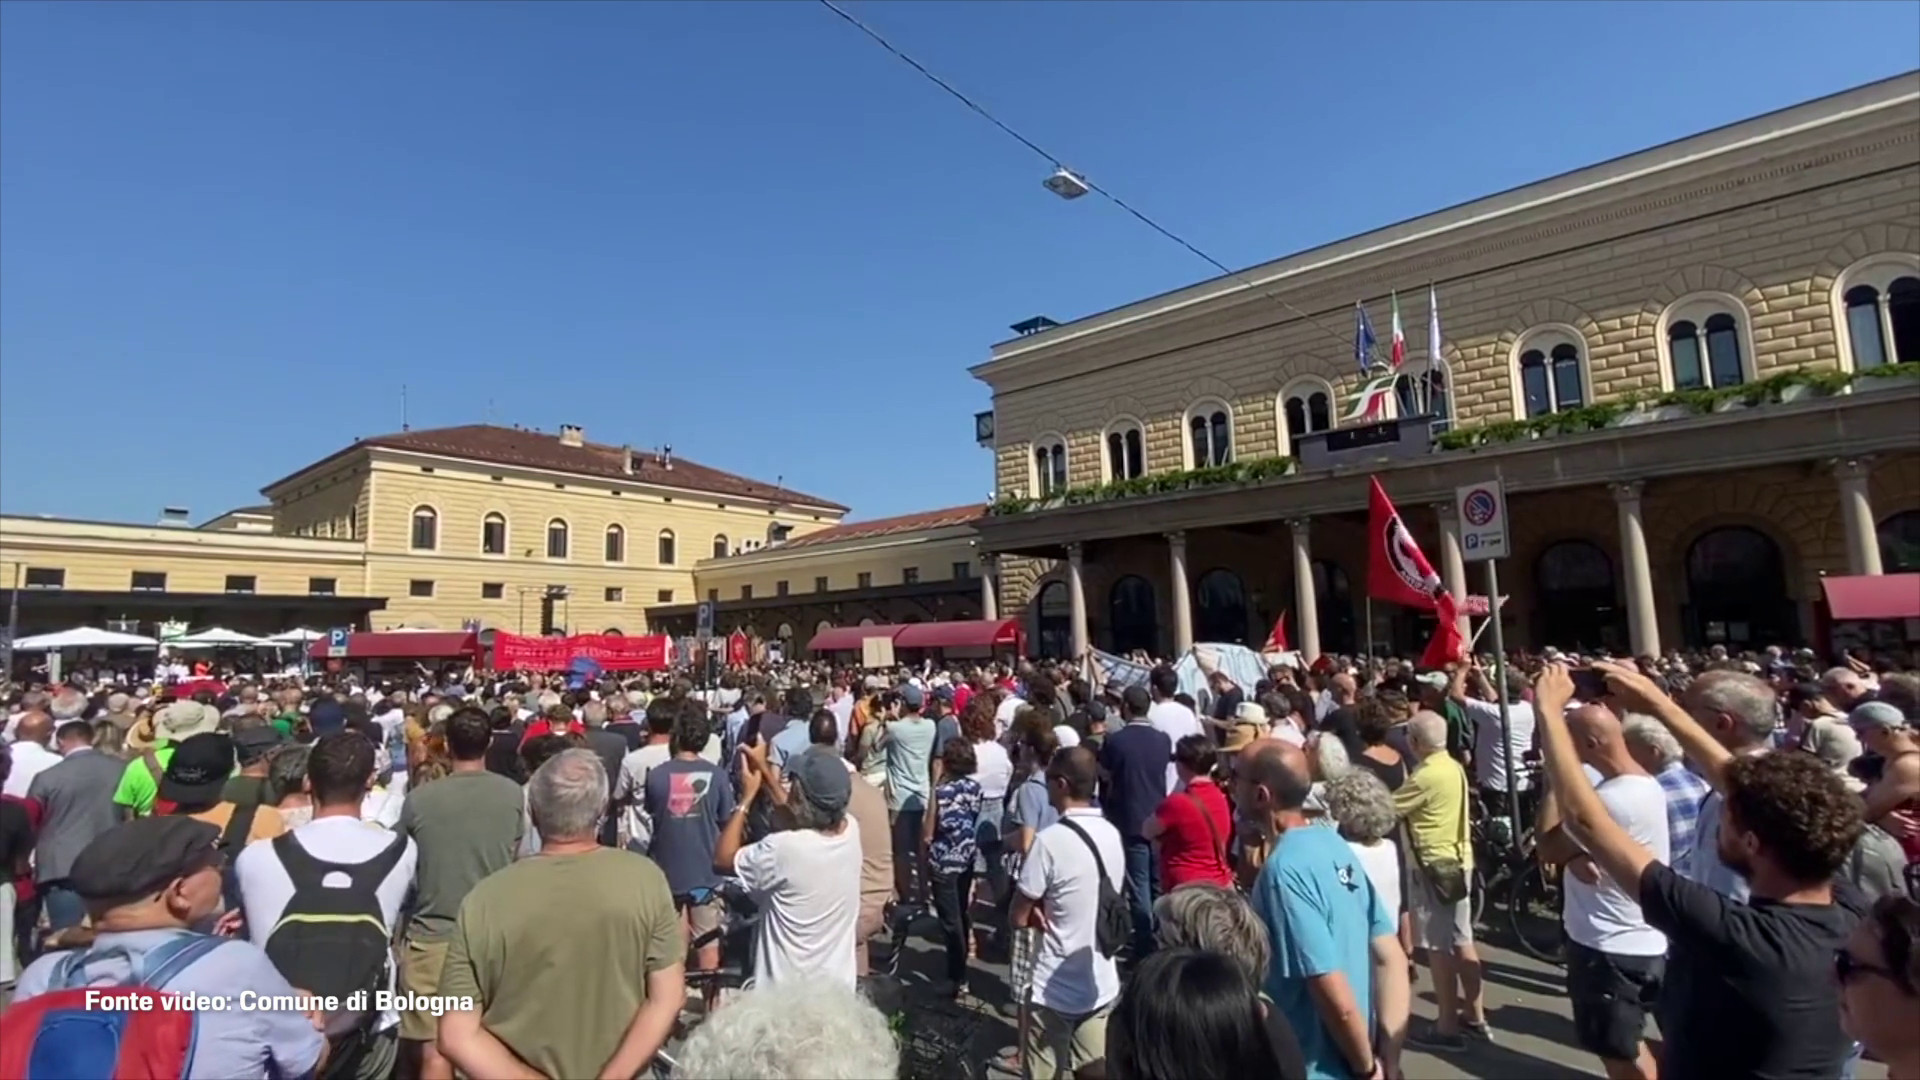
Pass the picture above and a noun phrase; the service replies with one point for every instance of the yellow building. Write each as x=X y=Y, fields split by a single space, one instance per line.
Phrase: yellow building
x=463 y=526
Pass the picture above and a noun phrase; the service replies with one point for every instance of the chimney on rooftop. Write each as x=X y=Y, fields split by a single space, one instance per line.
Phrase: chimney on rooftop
x=626 y=459
x=175 y=516
x=666 y=457
x=572 y=435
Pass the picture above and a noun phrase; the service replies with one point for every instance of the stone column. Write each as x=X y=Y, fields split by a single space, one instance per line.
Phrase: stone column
x=1182 y=593
x=1077 y=601
x=1643 y=621
x=1306 y=607
x=989 y=586
x=1856 y=516
x=1453 y=563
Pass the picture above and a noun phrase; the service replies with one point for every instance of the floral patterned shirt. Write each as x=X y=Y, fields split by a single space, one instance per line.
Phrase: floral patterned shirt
x=953 y=844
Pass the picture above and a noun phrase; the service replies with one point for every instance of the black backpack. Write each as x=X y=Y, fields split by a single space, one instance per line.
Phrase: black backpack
x=1112 y=923
x=335 y=942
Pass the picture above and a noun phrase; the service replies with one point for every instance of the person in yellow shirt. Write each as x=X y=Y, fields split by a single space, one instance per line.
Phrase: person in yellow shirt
x=1434 y=803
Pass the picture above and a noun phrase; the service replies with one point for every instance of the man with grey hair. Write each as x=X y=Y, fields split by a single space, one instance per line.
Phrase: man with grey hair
x=1844 y=687
x=1434 y=803
x=1740 y=712
x=1658 y=752
x=777 y=1032
x=611 y=748
x=594 y=995
x=806 y=876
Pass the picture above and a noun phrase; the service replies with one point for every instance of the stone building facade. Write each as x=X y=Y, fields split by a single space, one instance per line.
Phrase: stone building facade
x=1692 y=368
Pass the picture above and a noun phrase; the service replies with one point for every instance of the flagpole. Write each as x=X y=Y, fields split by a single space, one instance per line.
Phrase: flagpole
x=1369 y=627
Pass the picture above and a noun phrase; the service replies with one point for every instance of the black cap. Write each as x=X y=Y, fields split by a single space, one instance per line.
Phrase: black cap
x=256 y=743
x=1095 y=711
x=198 y=770
x=139 y=856
x=1136 y=699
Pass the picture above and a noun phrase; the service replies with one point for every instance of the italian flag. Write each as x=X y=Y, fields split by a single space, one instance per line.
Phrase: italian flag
x=1399 y=347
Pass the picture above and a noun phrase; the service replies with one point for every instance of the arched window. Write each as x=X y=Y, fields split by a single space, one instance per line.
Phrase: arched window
x=1053 y=622
x=426 y=528
x=1552 y=371
x=616 y=544
x=1425 y=388
x=1126 y=450
x=1737 y=590
x=1880 y=312
x=493 y=534
x=1049 y=466
x=1305 y=407
x=1220 y=608
x=557 y=540
x=1900 y=543
x=1706 y=343
x=720 y=545
x=666 y=547
x=1131 y=621
x=1574 y=604
x=1209 y=434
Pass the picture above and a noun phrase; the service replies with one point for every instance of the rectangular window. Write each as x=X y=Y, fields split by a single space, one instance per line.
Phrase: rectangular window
x=46 y=577
x=241 y=583
x=910 y=576
x=419 y=587
x=322 y=586
x=492 y=590
x=713 y=596
x=820 y=584
x=865 y=580
x=780 y=588
x=149 y=581
x=962 y=571
x=615 y=594
x=746 y=592
x=664 y=596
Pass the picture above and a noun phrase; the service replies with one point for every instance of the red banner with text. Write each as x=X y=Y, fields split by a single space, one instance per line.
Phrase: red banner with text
x=613 y=652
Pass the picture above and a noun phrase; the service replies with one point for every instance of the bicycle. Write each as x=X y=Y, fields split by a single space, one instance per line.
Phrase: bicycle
x=739 y=919
x=1505 y=862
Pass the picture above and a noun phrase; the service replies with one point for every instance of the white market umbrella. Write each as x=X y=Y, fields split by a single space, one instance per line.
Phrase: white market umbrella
x=83 y=637
x=297 y=636
x=216 y=637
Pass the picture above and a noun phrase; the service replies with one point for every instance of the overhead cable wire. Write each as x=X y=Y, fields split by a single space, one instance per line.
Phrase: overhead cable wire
x=1057 y=163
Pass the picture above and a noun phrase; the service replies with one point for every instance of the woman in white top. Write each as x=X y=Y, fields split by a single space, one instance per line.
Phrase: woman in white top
x=1360 y=805
x=993 y=771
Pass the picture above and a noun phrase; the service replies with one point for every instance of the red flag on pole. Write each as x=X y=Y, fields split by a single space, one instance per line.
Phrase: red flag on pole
x=1277 y=641
x=1399 y=573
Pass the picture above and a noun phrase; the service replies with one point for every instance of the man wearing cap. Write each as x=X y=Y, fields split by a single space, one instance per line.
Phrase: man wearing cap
x=254 y=741
x=1893 y=800
x=194 y=786
x=807 y=876
x=145 y=883
x=140 y=781
x=907 y=742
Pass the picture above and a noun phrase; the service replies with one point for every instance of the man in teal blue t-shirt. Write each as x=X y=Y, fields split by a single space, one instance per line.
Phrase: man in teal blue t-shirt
x=1323 y=917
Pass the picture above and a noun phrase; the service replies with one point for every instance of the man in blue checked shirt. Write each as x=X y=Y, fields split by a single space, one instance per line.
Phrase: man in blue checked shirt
x=1658 y=752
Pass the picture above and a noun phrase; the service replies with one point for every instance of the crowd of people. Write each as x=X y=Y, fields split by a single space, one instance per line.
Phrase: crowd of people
x=500 y=874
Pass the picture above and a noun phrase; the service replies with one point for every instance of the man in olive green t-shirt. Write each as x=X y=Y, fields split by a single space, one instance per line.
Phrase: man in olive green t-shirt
x=594 y=993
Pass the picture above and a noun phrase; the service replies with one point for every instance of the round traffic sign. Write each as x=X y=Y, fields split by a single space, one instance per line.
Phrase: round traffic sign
x=1480 y=507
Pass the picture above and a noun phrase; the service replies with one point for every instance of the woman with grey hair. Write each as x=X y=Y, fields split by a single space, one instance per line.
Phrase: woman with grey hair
x=1217 y=919
x=1362 y=808
x=793 y=1032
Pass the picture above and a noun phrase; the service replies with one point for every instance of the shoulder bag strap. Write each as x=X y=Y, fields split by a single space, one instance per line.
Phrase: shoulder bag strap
x=152 y=761
x=1219 y=851
x=1098 y=863
x=239 y=827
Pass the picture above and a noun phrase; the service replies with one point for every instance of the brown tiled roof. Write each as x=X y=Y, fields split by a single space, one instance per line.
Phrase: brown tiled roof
x=544 y=450
x=861 y=530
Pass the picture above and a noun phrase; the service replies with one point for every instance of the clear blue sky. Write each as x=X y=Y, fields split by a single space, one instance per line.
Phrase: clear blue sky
x=230 y=232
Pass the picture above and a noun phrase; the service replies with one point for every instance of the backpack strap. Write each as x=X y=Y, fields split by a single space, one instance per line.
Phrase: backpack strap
x=162 y=965
x=306 y=871
x=1099 y=863
x=1219 y=850
x=239 y=827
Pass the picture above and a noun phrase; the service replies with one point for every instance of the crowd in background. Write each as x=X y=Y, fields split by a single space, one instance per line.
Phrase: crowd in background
x=1207 y=884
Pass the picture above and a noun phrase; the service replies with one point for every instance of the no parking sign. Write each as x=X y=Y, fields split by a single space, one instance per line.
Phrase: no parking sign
x=1482 y=509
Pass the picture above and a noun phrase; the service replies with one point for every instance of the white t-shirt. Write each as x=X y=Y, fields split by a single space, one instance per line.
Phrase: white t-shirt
x=992 y=769
x=1604 y=917
x=1381 y=861
x=1065 y=736
x=1178 y=722
x=1003 y=716
x=1069 y=974
x=266 y=889
x=631 y=788
x=30 y=759
x=1489 y=762
x=808 y=884
x=382 y=806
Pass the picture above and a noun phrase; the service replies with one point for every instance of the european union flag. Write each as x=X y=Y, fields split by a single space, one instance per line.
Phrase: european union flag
x=1363 y=340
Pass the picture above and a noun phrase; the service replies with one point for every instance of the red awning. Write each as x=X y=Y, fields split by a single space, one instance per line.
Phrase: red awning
x=966 y=633
x=417 y=645
x=1873 y=596
x=839 y=638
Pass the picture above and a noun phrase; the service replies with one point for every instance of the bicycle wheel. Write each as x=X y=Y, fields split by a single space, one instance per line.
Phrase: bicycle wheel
x=1533 y=913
